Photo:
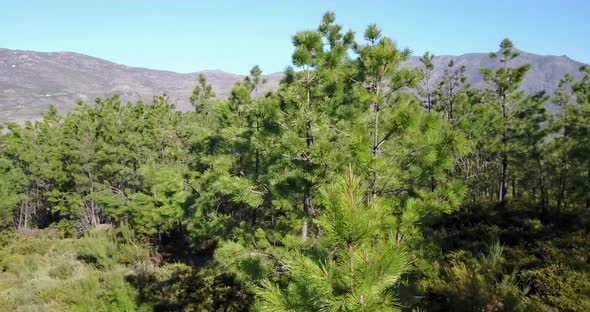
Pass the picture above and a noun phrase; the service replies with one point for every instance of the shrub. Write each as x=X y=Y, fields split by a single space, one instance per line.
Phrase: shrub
x=42 y=274
x=559 y=288
x=178 y=287
x=99 y=249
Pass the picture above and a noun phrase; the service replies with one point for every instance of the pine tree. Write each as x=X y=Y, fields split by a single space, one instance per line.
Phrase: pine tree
x=36 y=150
x=308 y=104
x=414 y=177
x=355 y=264
x=381 y=76
x=249 y=128
x=452 y=85
x=12 y=191
x=477 y=121
x=426 y=89
x=202 y=97
x=528 y=135
x=581 y=131
x=563 y=143
x=505 y=81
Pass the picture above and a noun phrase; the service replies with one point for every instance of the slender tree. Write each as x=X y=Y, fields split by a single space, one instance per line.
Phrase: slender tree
x=505 y=81
x=202 y=96
x=306 y=99
x=452 y=84
x=426 y=87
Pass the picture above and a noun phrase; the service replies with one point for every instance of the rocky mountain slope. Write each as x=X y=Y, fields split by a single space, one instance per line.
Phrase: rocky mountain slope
x=30 y=81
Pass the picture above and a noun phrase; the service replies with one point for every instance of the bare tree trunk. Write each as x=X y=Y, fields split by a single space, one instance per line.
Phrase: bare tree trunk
x=27 y=212
x=20 y=215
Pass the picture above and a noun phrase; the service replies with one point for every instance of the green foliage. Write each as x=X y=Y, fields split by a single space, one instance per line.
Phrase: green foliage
x=12 y=182
x=559 y=288
x=98 y=249
x=354 y=266
x=478 y=284
x=469 y=271
x=202 y=98
x=443 y=169
x=178 y=287
x=40 y=273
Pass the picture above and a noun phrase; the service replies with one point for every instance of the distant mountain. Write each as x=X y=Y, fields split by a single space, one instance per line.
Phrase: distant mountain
x=545 y=72
x=30 y=81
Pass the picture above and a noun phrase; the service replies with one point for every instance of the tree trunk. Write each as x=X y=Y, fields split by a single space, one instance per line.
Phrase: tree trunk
x=351 y=263
x=543 y=186
x=253 y=218
x=562 y=185
x=306 y=211
x=504 y=148
x=544 y=199
x=26 y=216
x=373 y=184
x=503 y=186
x=20 y=216
x=308 y=140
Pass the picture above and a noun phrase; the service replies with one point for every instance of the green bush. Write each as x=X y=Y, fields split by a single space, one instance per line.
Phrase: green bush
x=99 y=249
x=468 y=283
x=62 y=271
x=47 y=274
x=178 y=287
x=559 y=288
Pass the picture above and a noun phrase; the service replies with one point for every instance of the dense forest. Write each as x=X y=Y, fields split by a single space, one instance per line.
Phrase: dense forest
x=358 y=185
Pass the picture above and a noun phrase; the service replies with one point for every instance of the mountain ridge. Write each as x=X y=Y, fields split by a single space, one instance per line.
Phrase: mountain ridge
x=31 y=80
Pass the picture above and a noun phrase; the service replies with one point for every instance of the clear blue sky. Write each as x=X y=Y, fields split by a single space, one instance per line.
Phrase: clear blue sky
x=188 y=36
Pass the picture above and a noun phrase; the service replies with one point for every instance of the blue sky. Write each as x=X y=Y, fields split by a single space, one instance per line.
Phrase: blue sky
x=188 y=36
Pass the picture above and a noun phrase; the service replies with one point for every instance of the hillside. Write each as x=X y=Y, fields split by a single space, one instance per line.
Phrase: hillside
x=30 y=81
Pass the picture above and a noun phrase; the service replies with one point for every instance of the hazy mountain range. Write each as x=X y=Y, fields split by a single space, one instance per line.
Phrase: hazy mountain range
x=30 y=81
